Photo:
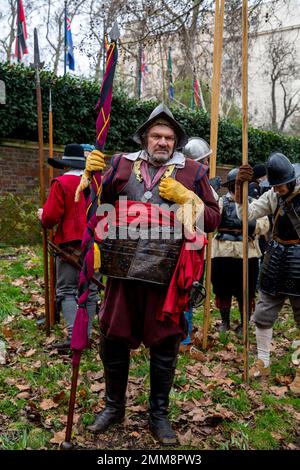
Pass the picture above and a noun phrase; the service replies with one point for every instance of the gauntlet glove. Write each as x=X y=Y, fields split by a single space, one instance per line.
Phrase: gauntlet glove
x=245 y=174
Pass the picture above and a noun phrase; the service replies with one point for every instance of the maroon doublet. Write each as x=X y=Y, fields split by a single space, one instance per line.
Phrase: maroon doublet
x=128 y=312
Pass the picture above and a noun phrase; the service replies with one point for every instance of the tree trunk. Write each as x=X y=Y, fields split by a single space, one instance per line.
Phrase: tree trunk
x=274 y=109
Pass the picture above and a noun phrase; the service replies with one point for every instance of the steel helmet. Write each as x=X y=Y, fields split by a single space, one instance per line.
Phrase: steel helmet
x=161 y=112
x=196 y=149
x=279 y=169
x=231 y=176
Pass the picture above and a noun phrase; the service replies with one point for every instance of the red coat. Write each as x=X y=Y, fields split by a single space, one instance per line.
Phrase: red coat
x=61 y=209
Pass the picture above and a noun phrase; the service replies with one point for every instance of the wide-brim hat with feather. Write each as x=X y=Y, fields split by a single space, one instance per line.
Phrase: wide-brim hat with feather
x=73 y=157
x=161 y=115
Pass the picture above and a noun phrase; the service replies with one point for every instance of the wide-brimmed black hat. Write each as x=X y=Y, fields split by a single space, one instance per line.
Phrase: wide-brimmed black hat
x=162 y=112
x=73 y=157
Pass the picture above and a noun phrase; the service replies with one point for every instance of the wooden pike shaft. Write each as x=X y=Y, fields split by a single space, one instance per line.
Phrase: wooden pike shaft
x=42 y=196
x=68 y=435
x=245 y=189
x=51 y=258
x=216 y=83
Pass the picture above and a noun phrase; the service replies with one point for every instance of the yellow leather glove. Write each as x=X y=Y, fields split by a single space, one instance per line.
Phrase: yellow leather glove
x=95 y=161
x=191 y=206
x=172 y=190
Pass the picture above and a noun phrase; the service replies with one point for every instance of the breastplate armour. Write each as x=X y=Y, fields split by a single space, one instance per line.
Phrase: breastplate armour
x=141 y=254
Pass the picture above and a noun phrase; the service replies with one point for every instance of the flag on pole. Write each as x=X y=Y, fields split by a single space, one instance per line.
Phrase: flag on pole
x=170 y=73
x=20 y=45
x=70 y=53
x=195 y=94
x=106 y=43
x=142 y=73
x=90 y=252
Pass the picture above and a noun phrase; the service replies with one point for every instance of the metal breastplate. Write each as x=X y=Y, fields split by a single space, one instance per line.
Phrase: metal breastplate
x=142 y=258
x=230 y=227
x=280 y=273
x=283 y=226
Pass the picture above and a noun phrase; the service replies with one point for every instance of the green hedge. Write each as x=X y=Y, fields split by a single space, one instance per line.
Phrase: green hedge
x=19 y=224
x=74 y=116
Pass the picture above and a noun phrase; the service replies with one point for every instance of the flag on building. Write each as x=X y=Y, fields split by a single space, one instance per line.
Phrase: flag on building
x=20 y=45
x=170 y=76
x=69 y=44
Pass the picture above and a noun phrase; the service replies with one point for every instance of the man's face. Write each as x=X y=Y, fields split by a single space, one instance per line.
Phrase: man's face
x=281 y=189
x=160 y=143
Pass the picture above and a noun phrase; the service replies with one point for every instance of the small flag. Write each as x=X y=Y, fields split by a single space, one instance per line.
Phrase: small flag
x=195 y=95
x=142 y=72
x=21 y=46
x=170 y=73
x=70 y=53
x=106 y=42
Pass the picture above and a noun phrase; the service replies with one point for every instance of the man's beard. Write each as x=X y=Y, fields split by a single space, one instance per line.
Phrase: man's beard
x=158 y=159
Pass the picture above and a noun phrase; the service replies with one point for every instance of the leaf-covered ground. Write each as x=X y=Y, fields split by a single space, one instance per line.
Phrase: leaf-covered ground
x=211 y=407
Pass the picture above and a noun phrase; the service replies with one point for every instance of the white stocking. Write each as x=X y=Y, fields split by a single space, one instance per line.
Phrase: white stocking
x=263 y=341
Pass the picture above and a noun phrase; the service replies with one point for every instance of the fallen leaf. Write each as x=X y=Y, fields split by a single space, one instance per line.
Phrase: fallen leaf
x=30 y=353
x=37 y=365
x=97 y=387
x=278 y=391
x=23 y=395
x=47 y=404
x=59 y=397
x=10 y=381
x=206 y=372
x=135 y=434
x=58 y=437
x=50 y=340
x=22 y=387
x=7 y=332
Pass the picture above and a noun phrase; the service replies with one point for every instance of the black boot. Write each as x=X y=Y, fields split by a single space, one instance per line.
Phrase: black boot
x=225 y=325
x=115 y=357
x=163 y=358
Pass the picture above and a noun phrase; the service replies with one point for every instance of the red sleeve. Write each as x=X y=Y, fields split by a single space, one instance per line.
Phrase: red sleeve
x=54 y=208
x=212 y=216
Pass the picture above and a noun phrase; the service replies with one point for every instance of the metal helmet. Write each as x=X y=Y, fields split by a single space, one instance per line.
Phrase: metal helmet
x=161 y=112
x=231 y=176
x=279 y=169
x=196 y=149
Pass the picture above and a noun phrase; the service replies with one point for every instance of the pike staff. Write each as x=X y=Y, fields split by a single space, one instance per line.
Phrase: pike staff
x=90 y=250
x=51 y=257
x=245 y=188
x=37 y=65
x=214 y=121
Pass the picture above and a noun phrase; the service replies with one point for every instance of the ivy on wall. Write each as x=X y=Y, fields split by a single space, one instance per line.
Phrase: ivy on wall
x=74 y=116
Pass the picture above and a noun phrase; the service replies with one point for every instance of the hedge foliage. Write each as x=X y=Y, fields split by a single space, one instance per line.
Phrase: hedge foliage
x=74 y=115
x=18 y=220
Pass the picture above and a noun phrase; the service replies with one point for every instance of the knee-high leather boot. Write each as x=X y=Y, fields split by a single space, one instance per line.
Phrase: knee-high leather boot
x=115 y=357
x=163 y=358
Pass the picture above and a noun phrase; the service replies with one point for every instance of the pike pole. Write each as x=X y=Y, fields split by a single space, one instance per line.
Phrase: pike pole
x=37 y=65
x=245 y=189
x=79 y=334
x=214 y=121
x=51 y=257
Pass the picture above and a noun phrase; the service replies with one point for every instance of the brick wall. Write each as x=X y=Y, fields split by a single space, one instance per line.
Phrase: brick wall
x=19 y=167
